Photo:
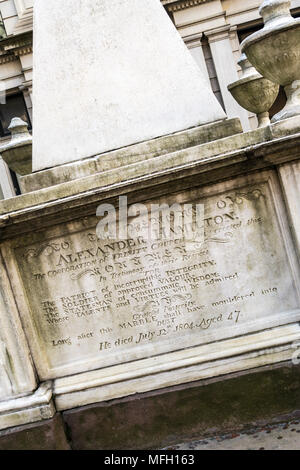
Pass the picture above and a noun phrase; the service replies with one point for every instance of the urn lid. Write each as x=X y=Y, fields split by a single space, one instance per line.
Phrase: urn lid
x=276 y=12
x=20 y=135
x=277 y=18
x=18 y=128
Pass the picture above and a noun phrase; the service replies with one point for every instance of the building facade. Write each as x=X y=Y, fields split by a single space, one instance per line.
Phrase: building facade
x=211 y=29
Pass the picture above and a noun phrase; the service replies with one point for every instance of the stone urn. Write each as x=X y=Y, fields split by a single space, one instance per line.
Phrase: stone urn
x=254 y=92
x=18 y=152
x=275 y=52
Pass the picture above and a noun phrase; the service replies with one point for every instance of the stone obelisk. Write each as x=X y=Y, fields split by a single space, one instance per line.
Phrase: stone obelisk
x=108 y=74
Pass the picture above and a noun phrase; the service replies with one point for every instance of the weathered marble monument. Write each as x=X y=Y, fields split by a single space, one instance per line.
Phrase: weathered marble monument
x=141 y=81
x=119 y=322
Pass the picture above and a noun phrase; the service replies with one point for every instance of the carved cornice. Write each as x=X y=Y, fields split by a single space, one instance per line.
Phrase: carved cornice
x=6 y=58
x=176 y=5
x=16 y=45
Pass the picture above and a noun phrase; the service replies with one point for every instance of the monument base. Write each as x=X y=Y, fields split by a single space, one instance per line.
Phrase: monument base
x=153 y=420
x=114 y=320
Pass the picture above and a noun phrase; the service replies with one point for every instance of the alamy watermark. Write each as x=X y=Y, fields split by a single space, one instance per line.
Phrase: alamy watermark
x=153 y=222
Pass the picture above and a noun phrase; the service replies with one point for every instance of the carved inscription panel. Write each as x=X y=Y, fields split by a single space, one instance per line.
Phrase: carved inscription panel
x=96 y=303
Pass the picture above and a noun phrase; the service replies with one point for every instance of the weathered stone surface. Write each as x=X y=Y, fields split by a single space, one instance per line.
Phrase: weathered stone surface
x=154 y=420
x=225 y=137
x=184 y=366
x=49 y=435
x=17 y=153
x=201 y=160
x=110 y=319
x=35 y=406
x=134 y=79
x=269 y=436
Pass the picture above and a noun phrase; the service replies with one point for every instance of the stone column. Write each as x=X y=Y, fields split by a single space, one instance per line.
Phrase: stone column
x=219 y=40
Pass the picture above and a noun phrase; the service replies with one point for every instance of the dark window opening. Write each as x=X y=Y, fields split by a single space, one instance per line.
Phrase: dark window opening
x=14 y=107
